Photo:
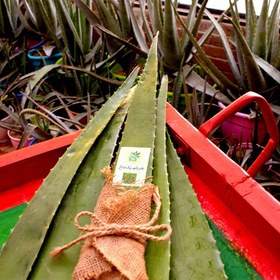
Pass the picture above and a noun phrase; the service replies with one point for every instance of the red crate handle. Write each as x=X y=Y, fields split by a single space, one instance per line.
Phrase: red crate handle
x=269 y=119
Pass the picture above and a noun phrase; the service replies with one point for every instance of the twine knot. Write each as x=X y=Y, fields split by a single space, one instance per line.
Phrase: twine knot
x=98 y=228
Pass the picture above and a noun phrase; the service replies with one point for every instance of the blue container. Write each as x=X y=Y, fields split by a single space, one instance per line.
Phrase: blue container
x=40 y=61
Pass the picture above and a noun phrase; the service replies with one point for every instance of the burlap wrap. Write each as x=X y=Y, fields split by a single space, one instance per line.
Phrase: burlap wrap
x=116 y=239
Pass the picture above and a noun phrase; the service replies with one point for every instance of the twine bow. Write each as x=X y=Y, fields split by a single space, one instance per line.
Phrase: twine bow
x=99 y=228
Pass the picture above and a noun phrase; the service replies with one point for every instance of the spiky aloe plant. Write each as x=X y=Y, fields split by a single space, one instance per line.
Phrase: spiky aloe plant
x=40 y=17
x=9 y=19
x=258 y=50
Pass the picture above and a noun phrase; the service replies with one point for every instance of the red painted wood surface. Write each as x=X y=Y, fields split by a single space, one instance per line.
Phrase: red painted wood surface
x=22 y=171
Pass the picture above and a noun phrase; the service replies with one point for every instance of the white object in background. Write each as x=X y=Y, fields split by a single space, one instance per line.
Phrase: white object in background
x=224 y=4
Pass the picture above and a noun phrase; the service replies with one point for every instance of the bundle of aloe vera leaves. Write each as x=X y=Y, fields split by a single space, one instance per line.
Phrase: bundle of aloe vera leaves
x=133 y=117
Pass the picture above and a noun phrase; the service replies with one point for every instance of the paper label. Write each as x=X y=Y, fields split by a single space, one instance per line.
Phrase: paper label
x=131 y=168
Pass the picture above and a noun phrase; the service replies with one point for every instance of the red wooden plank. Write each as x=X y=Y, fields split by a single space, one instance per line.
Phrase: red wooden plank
x=17 y=168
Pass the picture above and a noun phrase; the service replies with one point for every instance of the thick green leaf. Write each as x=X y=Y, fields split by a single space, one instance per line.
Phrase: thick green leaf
x=189 y=23
x=273 y=35
x=141 y=120
x=155 y=11
x=109 y=18
x=228 y=51
x=269 y=69
x=193 y=250
x=251 y=20
x=69 y=32
x=206 y=61
x=194 y=25
x=260 y=41
x=158 y=253
x=146 y=26
x=255 y=78
x=137 y=30
x=171 y=45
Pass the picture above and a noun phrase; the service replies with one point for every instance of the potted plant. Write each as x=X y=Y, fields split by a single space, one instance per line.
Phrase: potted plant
x=30 y=119
x=45 y=55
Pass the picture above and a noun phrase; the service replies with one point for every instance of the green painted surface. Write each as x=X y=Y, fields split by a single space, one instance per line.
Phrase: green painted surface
x=235 y=266
x=8 y=219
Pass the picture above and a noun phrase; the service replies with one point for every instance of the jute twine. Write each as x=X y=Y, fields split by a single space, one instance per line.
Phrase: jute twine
x=115 y=240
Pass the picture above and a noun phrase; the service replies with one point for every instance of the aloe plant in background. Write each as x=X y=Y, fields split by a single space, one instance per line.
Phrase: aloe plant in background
x=12 y=58
x=257 y=53
x=40 y=18
x=132 y=26
x=10 y=25
x=43 y=110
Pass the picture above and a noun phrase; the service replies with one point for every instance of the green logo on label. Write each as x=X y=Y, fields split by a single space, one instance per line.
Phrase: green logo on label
x=133 y=156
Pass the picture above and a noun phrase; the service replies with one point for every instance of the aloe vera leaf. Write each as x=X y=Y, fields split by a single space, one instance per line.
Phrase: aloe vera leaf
x=273 y=31
x=190 y=21
x=137 y=30
x=140 y=125
x=253 y=73
x=193 y=251
x=109 y=18
x=220 y=76
x=260 y=41
x=268 y=68
x=39 y=76
x=251 y=20
x=46 y=16
x=68 y=29
x=193 y=23
x=30 y=232
x=158 y=253
x=81 y=195
x=227 y=47
x=170 y=38
x=146 y=26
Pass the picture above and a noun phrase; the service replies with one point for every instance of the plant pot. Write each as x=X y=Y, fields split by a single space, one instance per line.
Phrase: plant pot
x=240 y=127
x=15 y=140
x=4 y=138
x=38 y=61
